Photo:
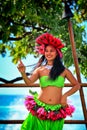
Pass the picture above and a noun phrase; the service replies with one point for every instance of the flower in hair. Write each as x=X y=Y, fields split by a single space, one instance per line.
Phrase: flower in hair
x=40 y=49
x=48 y=39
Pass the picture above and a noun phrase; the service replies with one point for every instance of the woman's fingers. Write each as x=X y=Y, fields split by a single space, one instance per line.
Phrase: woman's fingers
x=21 y=66
x=20 y=62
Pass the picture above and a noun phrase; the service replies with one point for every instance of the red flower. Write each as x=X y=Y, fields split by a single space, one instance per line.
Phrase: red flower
x=63 y=113
x=52 y=115
x=33 y=112
x=29 y=102
x=42 y=39
x=69 y=110
x=41 y=113
x=40 y=49
x=59 y=115
x=48 y=39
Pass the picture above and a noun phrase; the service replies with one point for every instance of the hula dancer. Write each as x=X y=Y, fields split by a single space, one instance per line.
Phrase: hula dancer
x=49 y=108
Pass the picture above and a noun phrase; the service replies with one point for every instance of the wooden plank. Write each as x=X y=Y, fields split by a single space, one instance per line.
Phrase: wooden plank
x=35 y=85
x=21 y=121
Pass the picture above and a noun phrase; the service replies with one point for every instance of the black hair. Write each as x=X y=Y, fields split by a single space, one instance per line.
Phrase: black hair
x=57 y=68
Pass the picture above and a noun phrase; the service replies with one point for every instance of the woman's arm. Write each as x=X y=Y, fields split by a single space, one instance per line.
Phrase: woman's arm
x=73 y=81
x=32 y=78
x=75 y=84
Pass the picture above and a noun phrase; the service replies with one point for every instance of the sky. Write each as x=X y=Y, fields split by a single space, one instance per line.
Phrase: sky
x=9 y=71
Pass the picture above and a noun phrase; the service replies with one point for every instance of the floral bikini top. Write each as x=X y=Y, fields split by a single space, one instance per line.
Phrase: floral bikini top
x=58 y=82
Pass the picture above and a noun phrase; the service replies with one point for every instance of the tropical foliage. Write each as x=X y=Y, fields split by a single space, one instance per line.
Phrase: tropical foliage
x=22 y=21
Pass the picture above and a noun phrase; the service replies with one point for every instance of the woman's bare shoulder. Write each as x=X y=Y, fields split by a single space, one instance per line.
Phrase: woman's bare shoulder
x=64 y=72
x=69 y=75
x=67 y=71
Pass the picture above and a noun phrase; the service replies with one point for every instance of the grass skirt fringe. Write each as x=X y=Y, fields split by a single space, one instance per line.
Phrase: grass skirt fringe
x=44 y=116
x=34 y=123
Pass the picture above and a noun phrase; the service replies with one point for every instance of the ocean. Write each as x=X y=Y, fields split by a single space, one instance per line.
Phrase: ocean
x=12 y=108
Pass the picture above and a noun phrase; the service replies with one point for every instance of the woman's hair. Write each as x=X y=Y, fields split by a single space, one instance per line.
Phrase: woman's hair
x=57 y=68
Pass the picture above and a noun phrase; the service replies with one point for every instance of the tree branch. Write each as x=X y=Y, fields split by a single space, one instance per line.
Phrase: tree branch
x=13 y=80
x=20 y=37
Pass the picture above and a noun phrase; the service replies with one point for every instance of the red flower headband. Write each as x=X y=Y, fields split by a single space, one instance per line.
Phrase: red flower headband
x=48 y=39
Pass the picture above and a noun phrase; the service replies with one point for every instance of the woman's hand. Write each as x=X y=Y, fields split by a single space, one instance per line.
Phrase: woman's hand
x=21 y=67
x=64 y=100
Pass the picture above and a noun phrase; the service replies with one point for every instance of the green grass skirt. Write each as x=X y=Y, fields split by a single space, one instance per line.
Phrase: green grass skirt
x=34 y=123
x=44 y=116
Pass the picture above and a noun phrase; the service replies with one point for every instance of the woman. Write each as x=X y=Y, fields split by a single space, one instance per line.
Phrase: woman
x=48 y=109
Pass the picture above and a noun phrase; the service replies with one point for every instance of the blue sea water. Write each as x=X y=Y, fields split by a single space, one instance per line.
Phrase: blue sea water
x=12 y=108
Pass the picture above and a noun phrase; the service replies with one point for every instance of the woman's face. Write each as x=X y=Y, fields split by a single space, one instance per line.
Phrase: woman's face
x=50 y=53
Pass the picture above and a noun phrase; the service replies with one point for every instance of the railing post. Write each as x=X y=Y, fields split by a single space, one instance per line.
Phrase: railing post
x=75 y=58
